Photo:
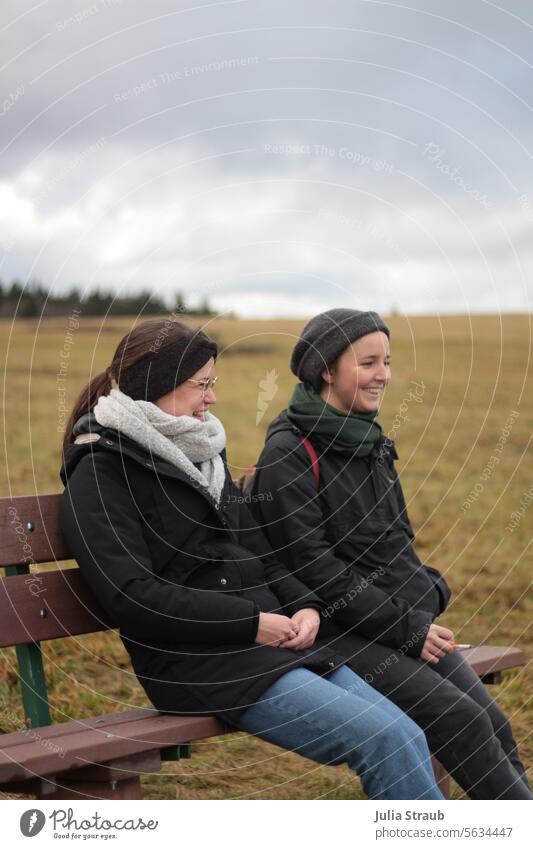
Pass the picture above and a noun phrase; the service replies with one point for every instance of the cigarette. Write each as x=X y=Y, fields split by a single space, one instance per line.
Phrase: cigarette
x=463 y=646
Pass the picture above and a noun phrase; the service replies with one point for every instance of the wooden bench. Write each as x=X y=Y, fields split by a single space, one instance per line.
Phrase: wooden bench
x=102 y=757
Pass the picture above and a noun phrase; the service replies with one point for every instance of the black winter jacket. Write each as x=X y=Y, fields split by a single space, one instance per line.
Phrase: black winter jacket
x=183 y=579
x=350 y=541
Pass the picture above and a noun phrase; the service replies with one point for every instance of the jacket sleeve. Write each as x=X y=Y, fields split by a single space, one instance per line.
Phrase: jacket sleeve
x=284 y=498
x=439 y=581
x=103 y=530
x=292 y=594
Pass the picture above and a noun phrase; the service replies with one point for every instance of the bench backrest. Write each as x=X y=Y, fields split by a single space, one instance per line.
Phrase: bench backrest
x=42 y=605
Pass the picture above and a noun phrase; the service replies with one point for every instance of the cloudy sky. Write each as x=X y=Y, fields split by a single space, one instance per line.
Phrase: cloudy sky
x=278 y=158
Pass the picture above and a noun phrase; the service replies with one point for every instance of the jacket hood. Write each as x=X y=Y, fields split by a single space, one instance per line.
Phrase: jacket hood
x=90 y=434
x=73 y=453
x=280 y=423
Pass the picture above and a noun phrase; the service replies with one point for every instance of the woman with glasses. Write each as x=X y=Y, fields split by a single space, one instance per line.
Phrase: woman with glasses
x=213 y=623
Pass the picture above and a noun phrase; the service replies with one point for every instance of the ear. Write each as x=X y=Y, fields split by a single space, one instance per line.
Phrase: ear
x=327 y=375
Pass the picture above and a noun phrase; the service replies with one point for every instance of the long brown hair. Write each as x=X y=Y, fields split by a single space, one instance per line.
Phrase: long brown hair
x=153 y=334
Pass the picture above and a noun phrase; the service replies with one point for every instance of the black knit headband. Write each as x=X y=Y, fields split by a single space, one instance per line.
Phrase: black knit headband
x=166 y=367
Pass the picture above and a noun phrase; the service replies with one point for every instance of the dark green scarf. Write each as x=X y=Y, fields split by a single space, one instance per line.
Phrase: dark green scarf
x=349 y=433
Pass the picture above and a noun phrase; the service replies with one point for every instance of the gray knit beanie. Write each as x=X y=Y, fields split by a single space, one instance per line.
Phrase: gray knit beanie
x=326 y=336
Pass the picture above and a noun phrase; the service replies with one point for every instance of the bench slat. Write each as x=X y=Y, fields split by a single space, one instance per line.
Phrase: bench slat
x=117 y=770
x=23 y=757
x=43 y=544
x=48 y=605
x=488 y=659
x=75 y=726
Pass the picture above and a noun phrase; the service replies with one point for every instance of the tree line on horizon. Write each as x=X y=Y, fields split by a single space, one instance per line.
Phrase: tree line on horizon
x=33 y=301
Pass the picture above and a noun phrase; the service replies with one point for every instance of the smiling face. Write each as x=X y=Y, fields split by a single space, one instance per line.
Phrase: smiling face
x=190 y=399
x=355 y=382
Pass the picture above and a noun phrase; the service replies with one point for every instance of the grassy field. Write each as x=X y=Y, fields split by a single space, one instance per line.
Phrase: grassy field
x=465 y=456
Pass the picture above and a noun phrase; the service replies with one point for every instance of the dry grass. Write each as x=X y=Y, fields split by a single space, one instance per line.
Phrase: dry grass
x=475 y=372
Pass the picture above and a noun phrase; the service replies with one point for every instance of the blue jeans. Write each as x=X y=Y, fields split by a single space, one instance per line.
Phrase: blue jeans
x=341 y=719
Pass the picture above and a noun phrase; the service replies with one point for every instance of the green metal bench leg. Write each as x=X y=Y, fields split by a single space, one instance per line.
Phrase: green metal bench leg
x=176 y=753
x=31 y=675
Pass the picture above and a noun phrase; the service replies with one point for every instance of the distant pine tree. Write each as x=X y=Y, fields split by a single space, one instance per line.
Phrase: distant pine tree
x=204 y=307
x=180 y=306
x=32 y=299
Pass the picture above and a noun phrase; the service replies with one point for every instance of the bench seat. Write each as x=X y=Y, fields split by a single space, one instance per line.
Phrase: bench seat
x=78 y=756
x=112 y=748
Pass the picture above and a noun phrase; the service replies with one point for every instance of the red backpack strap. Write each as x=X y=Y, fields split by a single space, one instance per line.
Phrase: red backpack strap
x=313 y=457
x=245 y=481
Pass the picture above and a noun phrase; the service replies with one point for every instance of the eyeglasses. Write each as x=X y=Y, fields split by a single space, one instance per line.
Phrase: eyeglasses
x=205 y=384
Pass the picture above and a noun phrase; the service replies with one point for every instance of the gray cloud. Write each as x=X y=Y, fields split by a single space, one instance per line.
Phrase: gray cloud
x=278 y=157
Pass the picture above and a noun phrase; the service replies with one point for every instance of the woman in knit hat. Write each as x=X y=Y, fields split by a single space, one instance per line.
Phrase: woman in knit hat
x=338 y=521
x=213 y=622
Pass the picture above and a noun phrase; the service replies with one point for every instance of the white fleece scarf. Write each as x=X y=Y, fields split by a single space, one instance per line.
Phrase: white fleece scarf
x=182 y=440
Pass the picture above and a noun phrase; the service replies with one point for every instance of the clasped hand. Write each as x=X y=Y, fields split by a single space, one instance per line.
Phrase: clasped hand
x=438 y=643
x=297 y=633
